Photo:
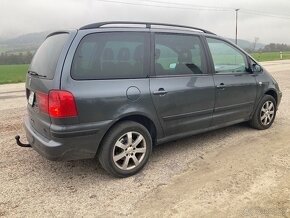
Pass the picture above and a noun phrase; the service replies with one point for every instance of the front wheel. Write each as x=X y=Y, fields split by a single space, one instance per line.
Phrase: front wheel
x=125 y=149
x=265 y=113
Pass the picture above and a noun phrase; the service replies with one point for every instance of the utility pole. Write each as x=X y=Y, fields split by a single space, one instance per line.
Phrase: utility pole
x=237 y=25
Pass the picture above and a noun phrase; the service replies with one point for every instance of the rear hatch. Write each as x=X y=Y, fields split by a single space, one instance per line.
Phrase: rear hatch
x=44 y=75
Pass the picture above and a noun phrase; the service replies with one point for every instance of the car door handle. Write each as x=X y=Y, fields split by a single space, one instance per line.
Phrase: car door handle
x=221 y=86
x=160 y=91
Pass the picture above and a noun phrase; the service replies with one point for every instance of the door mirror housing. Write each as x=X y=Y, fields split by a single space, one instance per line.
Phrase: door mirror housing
x=256 y=68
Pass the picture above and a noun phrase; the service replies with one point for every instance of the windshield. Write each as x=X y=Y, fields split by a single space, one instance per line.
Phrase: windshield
x=46 y=57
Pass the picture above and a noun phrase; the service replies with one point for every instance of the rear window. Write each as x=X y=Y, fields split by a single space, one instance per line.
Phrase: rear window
x=114 y=55
x=46 y=57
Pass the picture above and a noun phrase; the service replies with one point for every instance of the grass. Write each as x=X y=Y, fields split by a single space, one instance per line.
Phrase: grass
x=16 y=73
x=13 y=73
x=270 y=56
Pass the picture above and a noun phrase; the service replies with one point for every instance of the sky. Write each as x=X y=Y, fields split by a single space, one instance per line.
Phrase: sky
x=19 y=17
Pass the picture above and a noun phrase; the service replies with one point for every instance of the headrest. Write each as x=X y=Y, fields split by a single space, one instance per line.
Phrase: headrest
x=124 y=54
x=185 y=56
x=157 y=53
x=139 y=53
x=108 y=54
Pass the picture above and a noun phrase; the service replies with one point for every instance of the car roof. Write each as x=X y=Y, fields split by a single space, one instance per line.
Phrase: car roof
x=148 y=25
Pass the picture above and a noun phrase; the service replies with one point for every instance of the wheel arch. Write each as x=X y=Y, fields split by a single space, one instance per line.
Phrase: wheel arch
x=143 y=120
x=273 y=93
x=139 y=118
x=270 y=91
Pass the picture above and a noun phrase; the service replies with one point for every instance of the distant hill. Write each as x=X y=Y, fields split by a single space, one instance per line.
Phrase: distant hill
x=244 y=44
x=27 y=42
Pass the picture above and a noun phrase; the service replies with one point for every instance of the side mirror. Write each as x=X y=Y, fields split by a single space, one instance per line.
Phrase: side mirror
x=256 y=68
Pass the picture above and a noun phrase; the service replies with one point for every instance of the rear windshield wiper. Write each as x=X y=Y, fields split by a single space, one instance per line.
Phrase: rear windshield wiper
x=36 y=74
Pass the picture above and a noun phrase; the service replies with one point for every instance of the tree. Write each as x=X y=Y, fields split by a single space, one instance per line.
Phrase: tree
x=16 y=58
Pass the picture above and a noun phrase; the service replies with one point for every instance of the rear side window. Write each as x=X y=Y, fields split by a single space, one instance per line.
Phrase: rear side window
x=113 y=55
x=178 y=54
x=226 y=58
x=46 y=57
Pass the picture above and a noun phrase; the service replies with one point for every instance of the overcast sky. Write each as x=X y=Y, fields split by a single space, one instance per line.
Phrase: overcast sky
x=25 y=16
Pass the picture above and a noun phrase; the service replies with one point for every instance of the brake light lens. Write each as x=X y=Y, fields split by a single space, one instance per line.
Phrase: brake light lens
x=61 y=104
x=57 y=103
x=42 y=100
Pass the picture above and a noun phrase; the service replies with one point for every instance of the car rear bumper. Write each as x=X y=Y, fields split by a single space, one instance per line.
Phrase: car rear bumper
x=68 y=146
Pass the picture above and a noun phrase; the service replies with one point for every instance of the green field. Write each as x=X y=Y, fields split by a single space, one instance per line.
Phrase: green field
x=270 y=56
x=16 y=73
x=13 y=73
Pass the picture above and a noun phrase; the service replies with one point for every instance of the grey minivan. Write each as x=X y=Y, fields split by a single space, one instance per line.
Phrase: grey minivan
x=113 y=90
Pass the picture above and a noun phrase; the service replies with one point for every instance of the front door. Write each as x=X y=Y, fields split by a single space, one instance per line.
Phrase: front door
x=235 y=84
x=182 y=90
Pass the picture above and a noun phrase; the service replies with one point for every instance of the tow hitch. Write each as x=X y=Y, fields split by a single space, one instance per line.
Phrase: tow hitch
x=18 y=142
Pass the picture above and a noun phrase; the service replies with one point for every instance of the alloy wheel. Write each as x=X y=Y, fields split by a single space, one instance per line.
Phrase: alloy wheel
x=129 y=150
x=267 y=113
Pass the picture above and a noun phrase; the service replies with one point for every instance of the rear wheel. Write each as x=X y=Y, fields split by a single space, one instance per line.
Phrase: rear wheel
x=125 y=149
x=265 y=113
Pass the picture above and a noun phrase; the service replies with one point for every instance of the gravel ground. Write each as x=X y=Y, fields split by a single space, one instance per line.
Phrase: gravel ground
x=234 y=172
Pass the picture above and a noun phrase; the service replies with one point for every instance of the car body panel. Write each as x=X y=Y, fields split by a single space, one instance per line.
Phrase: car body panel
x=187 y=106
x=192 y=103
x=235 y=99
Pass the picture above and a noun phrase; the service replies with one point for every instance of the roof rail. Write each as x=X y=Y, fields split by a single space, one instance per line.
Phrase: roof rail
x=147 y=24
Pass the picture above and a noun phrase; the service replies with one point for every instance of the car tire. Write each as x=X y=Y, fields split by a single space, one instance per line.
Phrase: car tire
x=125 y=149
x=265 y=113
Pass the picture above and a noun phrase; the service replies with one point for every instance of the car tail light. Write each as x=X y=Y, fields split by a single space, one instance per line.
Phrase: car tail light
x=57 y=103
x=42 y=100
x=61 y=104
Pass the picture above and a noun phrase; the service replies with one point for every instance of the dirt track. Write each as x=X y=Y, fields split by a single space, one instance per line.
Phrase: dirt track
x=233 y=172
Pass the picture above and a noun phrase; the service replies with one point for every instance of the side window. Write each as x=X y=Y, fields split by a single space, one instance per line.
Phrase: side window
x=226 y=58
x=113 y=55
x=178 y=54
